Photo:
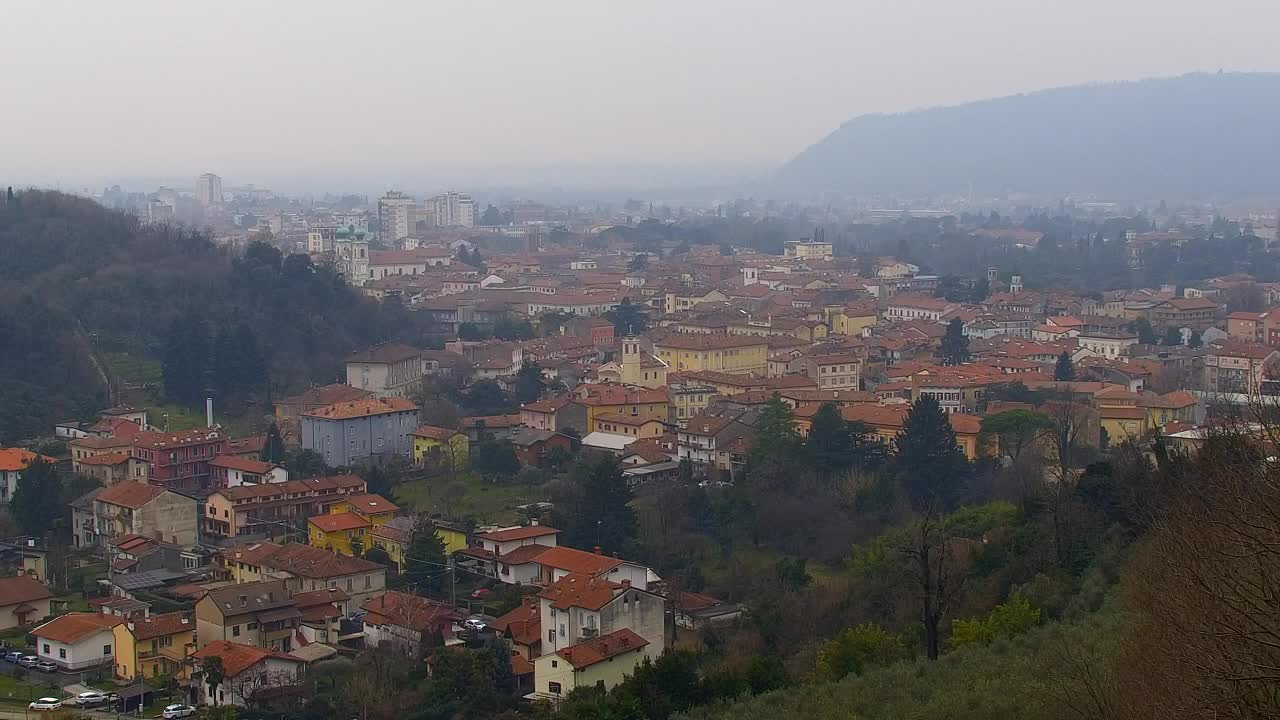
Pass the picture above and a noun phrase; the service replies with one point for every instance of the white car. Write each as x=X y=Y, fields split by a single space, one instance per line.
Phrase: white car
x=45 y=704
x=475 y=624
x=91 y=698
x=178 y=711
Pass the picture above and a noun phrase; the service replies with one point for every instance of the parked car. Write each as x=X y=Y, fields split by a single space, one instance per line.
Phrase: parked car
x=47 y=666
x=45 y=704
x=91 y=698
x=475 y=624
x=481 y=594
x=13 y=657
x=178 y=711
x=29 y=661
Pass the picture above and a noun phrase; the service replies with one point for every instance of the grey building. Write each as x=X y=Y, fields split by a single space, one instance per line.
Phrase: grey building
x=346 y=432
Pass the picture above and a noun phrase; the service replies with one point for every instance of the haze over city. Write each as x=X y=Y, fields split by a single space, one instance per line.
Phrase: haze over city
x=319 y=95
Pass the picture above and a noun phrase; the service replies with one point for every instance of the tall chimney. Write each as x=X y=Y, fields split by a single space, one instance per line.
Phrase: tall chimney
x=208 y=412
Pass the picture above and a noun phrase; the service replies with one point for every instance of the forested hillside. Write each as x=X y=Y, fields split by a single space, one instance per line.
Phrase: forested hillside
x=76 y=278
x=1196 y=135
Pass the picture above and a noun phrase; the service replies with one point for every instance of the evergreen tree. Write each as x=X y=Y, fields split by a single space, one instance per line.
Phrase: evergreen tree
x=273 y=449
x=529 y=384
x=628 y=318
x=955 y=346
x=927 y=461
x=830 y=444
x=185 y=360
x=604 y=516
x=425 y=561
x=37 y=501
x=775 y=439
x=225 y=361
x=1065 y=369
x=1146 y=333
x=1172 y=336
x=981 y=290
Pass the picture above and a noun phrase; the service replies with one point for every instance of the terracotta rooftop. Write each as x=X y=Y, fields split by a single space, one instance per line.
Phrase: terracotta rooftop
x=434 y=433
x=154 y=626
x=337 y=522
x=577 y=561
x=20 y=589
x=361 y=408
x=237 y=658
x=518 y=533
x=14 y=459
x=234 y=462
x=132 y=495
x=370 y=503
x=410 y=611
x=582 y=591
x=74 y=627
x=327 y=395
x=586 y=654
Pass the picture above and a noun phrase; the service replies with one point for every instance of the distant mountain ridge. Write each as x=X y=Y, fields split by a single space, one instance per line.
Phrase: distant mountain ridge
x=1199 y=135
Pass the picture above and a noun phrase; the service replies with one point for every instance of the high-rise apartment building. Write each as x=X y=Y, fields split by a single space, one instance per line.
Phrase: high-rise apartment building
x=209 y=190
x=395 y=210
x=453 y=209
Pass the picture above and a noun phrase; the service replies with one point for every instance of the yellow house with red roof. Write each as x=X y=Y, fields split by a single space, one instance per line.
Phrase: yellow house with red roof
x=349 y=521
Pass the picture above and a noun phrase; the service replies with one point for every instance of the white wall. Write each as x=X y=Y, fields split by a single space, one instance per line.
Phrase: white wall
x=86 y=653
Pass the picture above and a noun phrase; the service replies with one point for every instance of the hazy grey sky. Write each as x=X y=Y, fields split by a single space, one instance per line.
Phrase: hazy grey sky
x=370 y=90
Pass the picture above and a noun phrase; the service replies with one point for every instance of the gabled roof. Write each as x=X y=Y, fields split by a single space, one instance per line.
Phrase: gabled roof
x=524 y=554
x=154 y=626
x=409 y=611
x=327 y=395
x=337 y=522
x=74 y=627
x=20 y=589
x=237 y=658
x=234 y=462
x=14 y=459
x=580 y=590
x=586 y=654
x=361 y=408
x=132 y=495
x=577 y=561
x=370 y=503
x=432 y=432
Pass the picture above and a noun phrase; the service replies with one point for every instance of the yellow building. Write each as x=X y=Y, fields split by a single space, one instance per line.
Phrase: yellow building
x=454 y=538
x=639 y=367
x=154 y=645
x=1175 y=406
x=391 y=540
x=853 y=319
x=440 y=447
x=714 y=351
x=604 y=662
x=349 y=520
x=342 y=533
x=609 y=399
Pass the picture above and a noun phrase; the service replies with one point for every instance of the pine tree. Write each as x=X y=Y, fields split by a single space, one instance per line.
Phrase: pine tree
x=955 y=346
x=186 y=359
x=273 y=448
x=830 y=444
x=775 y=439
x=425 y=561
x=927 y=460
x=604 y=517
x=1065 y=370
x=37 y=501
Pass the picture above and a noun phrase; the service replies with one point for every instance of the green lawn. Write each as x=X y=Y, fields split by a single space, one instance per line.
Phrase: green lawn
x=75 y=602
x=21 y=692
x=131 y=369
x=486 y=502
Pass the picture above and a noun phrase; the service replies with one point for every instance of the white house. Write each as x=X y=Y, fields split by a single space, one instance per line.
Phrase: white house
x=234 y=471
x=579 y=607
x=248 y=670
x=601 y=661
x=78 y=641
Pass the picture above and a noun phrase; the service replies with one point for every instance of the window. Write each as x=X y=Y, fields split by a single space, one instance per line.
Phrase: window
x=106 y=649
x=62 y=653
x=368 y=581
x=46 y=649
x=348 y=583
x=553 y=687
x=562 y=633
x=551 y=636
x=235 y=631
x=251 y=626
x=555 y=663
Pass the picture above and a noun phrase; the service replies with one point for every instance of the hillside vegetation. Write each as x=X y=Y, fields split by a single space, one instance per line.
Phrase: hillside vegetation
x=1202 y=135
x=85 y=291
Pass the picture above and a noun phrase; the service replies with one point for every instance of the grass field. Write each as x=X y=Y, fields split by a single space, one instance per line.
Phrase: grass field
x=486 y=502
x=131 y=369
x=21 y=692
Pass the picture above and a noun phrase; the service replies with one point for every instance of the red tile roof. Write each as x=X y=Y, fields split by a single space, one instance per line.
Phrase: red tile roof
x=361 y=408
x=580 y=590
x=237 y=658
x=599 y=649
x=20 y=589
x=434 y=433
x=327 y=395
x=14 y=459
x=524 y=554
x=410 y=611
x=370 y=503
x=337 y=522
x=132 y=495
x=155 y=626
x=74 y=627
x=234 y=462
x=577 y=561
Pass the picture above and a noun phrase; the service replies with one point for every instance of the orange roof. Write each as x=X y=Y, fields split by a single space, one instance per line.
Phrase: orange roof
x=114 y=458
x=234 y=462
x=434 y=433
x=360 y=408
x=20 y=589
x=411 y=611
x=338 y=522
x=370 y=503
x=577 y=561
x=524 y=554
x=14 y=459
x=523 y=624
x=1172 y=400
x=74 y=627
x=237 y=658
x=154 y=626
x=132 y=495
x=579 y=590
x=599 y=649
x=519 y=533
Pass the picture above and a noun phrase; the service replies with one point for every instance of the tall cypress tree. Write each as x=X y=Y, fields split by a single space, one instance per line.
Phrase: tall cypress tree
x=929 y=464
x=1064 y=370
x=955 y=346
